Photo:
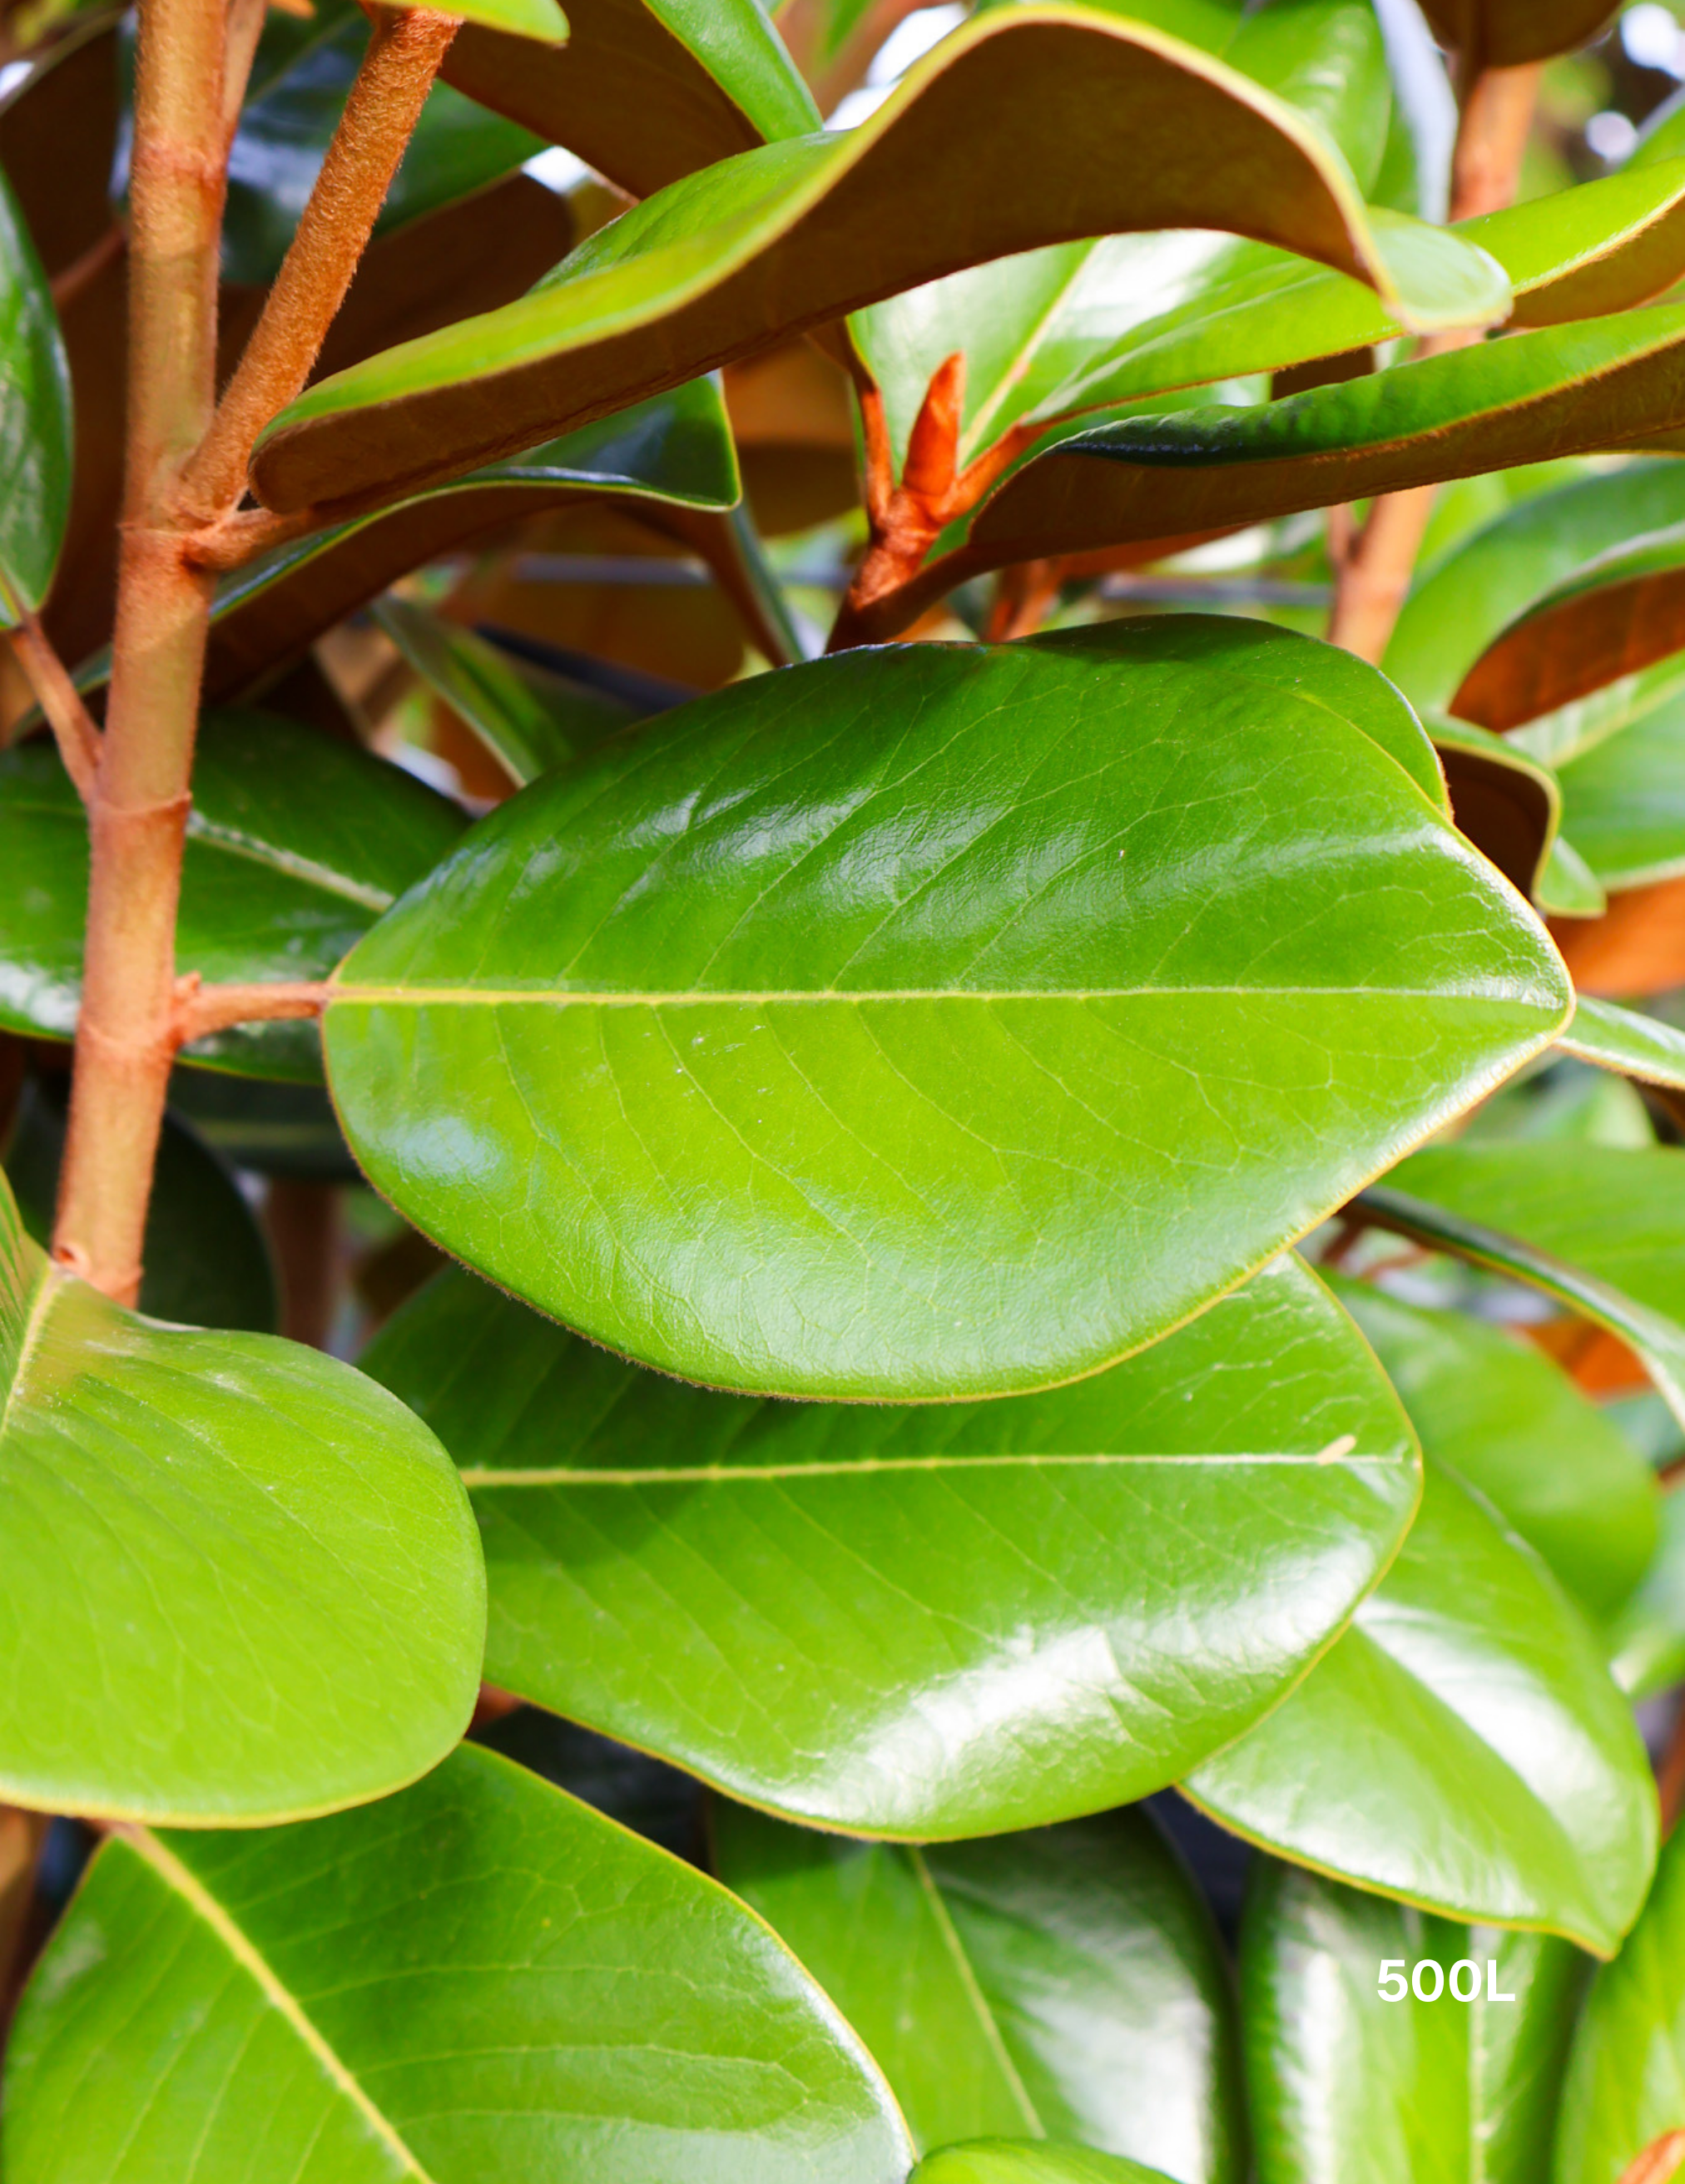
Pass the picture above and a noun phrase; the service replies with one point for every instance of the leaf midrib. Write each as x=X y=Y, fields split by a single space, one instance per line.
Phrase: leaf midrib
x=994 y=2038
x=712 y=1474
x=420 y=995
x=246 y=1953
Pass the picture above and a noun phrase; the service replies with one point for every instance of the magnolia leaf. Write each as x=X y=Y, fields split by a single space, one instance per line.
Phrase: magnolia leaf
x=1618 y=613
x=1489 y=34
x=296 y=843
x=479 y=1982
x=1065 y=1983
x=287 y=1552
x=854 y=1567
x=1506 y=803
x=1509 y=1422
x=645 y=91
x=529 y=721
x=1488 y=579
x=1598 y=1233
x=304 y=70
x=1347 y=2080
x=1462 y=1747
x=1621 y=1039
x=962 y=1038
x=669 y=463
x=1646 y=1640
x=205 y=1260
x=1029 y=2161
x=1102 y=122
x=1624 y=798
x=1567 y=886
x=539 y=22
x=1625 y=2085
x=1561 y=390
x=34 y=423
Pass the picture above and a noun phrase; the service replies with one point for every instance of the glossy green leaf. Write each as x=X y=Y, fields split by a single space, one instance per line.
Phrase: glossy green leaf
x=272 y=1128
x=241 y=1583
x=1567 y=886
x=1600 y=1233
x=1509 y=1422
x=205 y=1260
x=1560 y=390
x=669 y=463
x=1067 y=1983
x=1021 y=2161
x=480 y=1982
x=1103 y=124
x=1646 y=1641
x=1618 y=613
x=1493 y=576
x=295 y=845
x=645 y=91
x=1506 y=803
x=305 y=66
x=539 y=22
x=35 y=423
x=1626 y=2075
x=940 y=1048
x=1462 y=1747
x=849 y=1626
x=529 y=721
x=1504 y=33
x=1622 y=1039
x=1345 y=2084
x=1624 y=798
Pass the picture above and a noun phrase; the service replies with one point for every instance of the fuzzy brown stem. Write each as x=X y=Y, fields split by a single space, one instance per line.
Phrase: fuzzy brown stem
x=138 y=810
x=202 y=1010
x=72 y=726
x=1373 y=576
x=386 y=101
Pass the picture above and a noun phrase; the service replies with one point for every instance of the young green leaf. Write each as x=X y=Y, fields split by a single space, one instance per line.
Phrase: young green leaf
x=1620 y=1039
x=537 y=22
x=1486 y=581
x=1404 y=2082
x=988 y=1015
x=1626 y=2075
x=1600 y=1232
x=829 y=1610
x=295 y=845
x=1490 y=34
x=1625 y=797
x=241 y=1582
x=669 y=463
x=1029 y=2161
x=1506 y=803
x=1462 y=1747
x=205 y=1260
x=645 y=91
x=529 y=721
x=1104 y=125
x=479 y=1982
x=35 y=423
x=1067 y=1983
x=1511 y=1423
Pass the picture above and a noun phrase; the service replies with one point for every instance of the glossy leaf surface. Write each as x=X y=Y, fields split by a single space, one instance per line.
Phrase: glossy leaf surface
x=1462 y=1747
x=480 y=1982
x=1486 y=581
x=1600 y=1233
x=1511 y=1423
x=1066 y=1983
x=645 y=91
x=1626 y=2076
x=1559 y=391
x=1620 y=1039
x=669 y=463
x=241 y=1583
x=295 y=845
x=761 y=247
x=35 y=423
x=1504 y=33
x=942 y=1049
x=1344 y=2083
x=1624 y=798
x=1019 y=2161
x=859 y=1571
x=206 y=1262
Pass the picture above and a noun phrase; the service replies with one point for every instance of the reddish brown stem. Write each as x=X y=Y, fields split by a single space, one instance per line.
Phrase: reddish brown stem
x=202 y=1010
x=1660 y=2162
x=1373 y=575
x=386 y=101
x=69 y=720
